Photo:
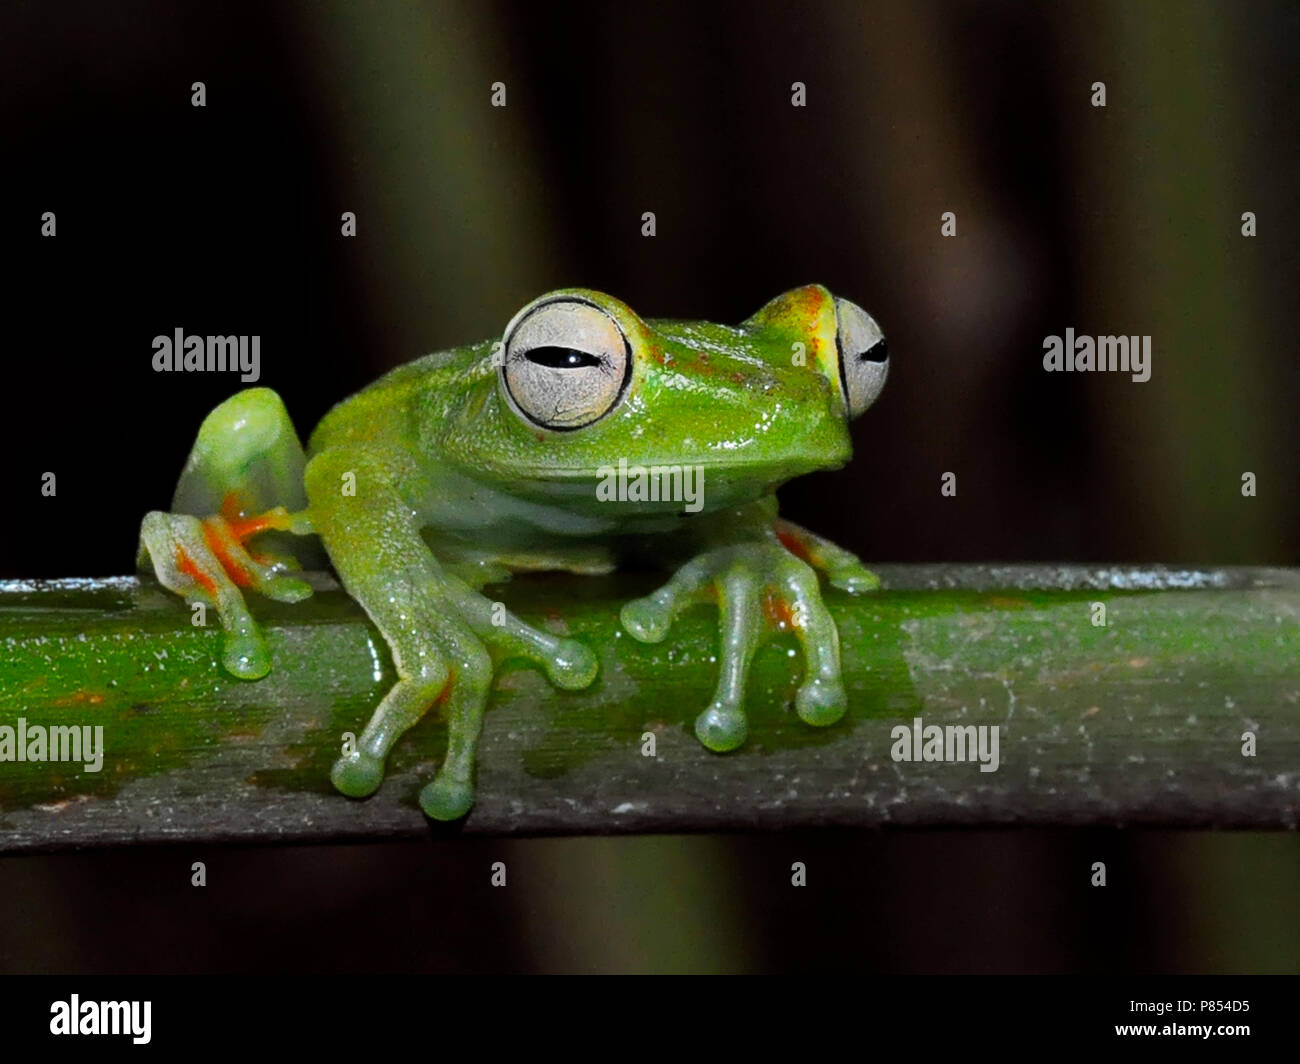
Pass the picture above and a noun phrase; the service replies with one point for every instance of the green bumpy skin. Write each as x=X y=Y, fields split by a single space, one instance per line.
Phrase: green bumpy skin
x=457 y=469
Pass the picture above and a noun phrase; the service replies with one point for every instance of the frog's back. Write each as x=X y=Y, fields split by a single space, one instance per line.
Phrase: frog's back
x=386 y=408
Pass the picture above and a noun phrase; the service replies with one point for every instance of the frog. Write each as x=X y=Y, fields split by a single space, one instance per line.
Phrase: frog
x=453 y=472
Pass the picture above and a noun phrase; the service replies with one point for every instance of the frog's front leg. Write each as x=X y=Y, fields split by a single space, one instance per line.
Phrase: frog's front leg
x=761 y=585
x=438 y=627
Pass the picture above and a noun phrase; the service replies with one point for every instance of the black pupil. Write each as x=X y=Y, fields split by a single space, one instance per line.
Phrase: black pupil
x=561 y=358
x=877 y=352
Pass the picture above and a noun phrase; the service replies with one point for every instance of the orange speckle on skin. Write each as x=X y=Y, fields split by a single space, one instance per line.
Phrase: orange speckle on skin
x=702 y=367
x=237 y=572
x=778 y=610
x=187 y=566
x=241 y=526
x=444 y=696
x=232 y=509
x=806 y=302
x=791 y=543
x=241 y=530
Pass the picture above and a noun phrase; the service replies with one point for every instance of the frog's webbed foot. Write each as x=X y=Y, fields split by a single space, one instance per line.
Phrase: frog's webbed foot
x=440 y=629
x=208 y=560
x=760 y=587
x=442 y=660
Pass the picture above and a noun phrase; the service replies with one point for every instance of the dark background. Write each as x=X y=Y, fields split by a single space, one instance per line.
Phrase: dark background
x=1125 y=220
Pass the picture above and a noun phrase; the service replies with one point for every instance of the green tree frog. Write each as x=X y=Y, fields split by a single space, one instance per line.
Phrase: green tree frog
x=455 y=470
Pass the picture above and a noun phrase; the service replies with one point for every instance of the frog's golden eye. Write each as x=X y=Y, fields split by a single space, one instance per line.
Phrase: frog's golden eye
x=864 y=356
x=566 y=363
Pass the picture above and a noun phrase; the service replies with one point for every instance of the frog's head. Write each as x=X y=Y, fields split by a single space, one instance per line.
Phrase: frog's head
x=580 y=383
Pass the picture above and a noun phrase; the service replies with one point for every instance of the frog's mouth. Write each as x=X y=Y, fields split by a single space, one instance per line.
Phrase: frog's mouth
x=666 y=487
x=774 y=471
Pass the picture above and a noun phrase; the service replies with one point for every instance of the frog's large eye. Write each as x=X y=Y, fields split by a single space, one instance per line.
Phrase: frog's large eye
x=864 y=356
x=566 y=363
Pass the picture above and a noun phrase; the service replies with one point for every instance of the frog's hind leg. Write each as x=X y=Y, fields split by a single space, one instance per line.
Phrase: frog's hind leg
x=242 y=478
x=374 y=540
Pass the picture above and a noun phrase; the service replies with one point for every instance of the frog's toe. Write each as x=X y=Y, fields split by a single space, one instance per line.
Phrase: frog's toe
x=721 y=727
x=358 y=774
x=572 y=665
x=246 y=656
x=447 y=798
x=646 y=620
x=856 y=580
x=285 y=589
x=842 y=568
x=568 y=663
x=649 y=619
x=821 y=702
